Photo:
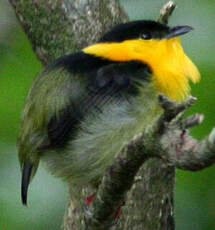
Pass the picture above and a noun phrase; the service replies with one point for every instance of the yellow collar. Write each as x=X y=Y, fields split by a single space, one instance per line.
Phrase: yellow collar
x=170 y=66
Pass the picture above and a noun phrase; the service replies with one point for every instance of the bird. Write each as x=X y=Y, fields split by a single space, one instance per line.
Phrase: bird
x=83 y=107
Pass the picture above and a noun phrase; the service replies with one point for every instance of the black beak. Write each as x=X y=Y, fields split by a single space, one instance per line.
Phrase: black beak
x=178 y=30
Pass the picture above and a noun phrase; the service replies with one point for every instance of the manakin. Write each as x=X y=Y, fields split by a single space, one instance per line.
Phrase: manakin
x=84 y=106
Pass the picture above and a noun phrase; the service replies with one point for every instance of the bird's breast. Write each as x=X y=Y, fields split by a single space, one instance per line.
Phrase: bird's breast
x=101 y=137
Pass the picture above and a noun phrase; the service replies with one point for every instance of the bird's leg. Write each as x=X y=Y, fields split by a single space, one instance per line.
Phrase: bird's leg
x=118 y=211
x=89 y=199
x=87 y=202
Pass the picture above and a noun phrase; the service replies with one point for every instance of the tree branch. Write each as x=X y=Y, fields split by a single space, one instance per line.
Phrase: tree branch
x=166 y=11
x=168 y=141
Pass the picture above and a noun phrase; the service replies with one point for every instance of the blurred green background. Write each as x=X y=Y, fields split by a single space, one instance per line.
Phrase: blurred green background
x=195 y=192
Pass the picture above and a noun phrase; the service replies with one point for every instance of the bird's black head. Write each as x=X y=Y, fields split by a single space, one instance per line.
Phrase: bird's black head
x=143 y=29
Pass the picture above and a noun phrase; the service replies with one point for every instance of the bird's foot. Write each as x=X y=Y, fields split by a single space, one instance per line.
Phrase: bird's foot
x=89 y=199
x=87 y=202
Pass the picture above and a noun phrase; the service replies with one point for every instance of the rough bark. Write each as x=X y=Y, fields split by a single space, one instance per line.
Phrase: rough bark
x=57 y=27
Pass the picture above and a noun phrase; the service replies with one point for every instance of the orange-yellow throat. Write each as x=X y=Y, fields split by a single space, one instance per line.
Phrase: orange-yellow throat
x=171 y=68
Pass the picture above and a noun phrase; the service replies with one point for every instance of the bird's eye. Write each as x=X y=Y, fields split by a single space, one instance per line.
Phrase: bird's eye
x=146 y=36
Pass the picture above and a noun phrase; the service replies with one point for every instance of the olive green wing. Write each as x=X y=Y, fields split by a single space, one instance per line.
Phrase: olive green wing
x=50 y=93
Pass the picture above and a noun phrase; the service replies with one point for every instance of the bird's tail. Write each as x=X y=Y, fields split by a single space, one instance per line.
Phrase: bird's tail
x=28 y=171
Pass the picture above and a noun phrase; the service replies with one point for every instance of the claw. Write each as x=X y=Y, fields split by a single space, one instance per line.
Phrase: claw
x=90 y=214
x=87 y=202
x=87 y=211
